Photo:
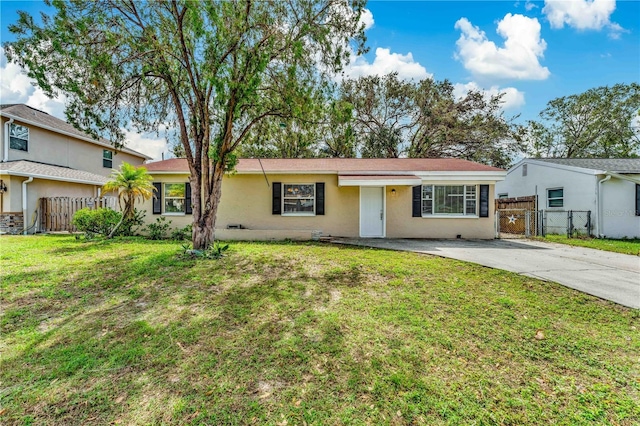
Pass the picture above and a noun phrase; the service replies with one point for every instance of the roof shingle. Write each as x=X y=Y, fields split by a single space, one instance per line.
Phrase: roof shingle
x=615 y=165
x=27 y=113
x=336 y=165
x=24 y=167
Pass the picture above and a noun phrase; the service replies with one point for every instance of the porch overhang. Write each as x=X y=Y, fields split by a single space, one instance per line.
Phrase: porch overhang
x=378 y=180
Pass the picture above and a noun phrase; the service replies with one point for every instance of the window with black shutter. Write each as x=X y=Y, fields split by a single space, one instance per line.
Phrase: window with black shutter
x=157 y=198
x=320 y=198
x=276 y=202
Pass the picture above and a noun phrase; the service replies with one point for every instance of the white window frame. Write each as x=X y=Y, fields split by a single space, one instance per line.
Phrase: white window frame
x=466 y=196
x=290 y=197
x=13 y=136
x=104 y=157
x=165 y=198
x=549 y=199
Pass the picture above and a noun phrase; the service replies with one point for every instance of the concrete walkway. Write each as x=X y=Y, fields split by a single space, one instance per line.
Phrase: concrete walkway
x=610 y=276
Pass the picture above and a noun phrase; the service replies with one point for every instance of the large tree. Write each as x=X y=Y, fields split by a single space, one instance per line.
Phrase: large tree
x=211 y=70
x=601 y=122
x=395 y=118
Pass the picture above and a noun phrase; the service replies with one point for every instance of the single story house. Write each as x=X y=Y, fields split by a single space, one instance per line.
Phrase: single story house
x=608 y=188
x=341 y=197
x=42 y=156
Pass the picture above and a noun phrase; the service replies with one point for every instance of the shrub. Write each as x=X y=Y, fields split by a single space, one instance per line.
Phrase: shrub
x=182 y=233
x=130 y=226
x=158 y=230
x=95 y=222
x=215 y=251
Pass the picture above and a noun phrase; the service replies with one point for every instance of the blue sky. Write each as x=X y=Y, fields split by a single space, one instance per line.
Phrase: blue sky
x=534 y=51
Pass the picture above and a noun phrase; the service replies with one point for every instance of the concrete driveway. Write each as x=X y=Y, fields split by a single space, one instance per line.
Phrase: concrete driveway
x=610 y=276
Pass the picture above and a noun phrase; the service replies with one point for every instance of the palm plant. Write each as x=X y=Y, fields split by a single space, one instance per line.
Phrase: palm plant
x=131 y=183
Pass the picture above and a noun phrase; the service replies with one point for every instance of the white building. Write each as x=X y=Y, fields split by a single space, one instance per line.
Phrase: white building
x=609 y=188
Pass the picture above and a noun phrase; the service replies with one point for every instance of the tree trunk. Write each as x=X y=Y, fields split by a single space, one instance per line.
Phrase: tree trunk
x=204 y=225
x=202 y=236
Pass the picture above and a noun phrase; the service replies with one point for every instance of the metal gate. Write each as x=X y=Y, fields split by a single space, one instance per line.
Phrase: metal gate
x=573 y=223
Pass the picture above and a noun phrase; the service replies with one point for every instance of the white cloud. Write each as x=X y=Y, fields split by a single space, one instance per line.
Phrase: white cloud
x=366 y=17
x=146 y=144
x=512 y=98
x=518 y=59
x=582 y=15
x=17 y=88
x=529 y=6
x=386 y=62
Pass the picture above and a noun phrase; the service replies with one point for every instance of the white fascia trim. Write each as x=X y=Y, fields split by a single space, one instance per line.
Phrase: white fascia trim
x=622 y=177
x=46 y=177
x=290 y=172
x=378 y=183
x=168 y=173
x=470 y=177
x=82 y=138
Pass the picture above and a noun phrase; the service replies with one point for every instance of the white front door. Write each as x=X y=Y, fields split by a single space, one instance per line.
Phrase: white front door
x=372 y=211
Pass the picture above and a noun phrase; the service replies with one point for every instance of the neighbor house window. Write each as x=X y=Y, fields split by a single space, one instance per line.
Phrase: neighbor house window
x=18 y=137
x=298 y=198
x=107 y=158
x=174 y=197
x=555 y=197
x=449 y=200
x=503 y=195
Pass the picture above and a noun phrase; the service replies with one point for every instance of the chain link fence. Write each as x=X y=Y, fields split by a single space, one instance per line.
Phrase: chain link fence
x=573 y=223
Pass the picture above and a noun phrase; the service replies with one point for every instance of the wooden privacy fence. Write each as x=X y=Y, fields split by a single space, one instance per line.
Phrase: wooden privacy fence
x=516 y=216
x=56 y=213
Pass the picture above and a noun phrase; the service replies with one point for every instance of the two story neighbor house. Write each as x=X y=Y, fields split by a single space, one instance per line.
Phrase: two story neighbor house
x=340 y=197
x=43 y=156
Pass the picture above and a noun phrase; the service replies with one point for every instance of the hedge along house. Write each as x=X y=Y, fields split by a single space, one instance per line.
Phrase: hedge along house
x=306 y=198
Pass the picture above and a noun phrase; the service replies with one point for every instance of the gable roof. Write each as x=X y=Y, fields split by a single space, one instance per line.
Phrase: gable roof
x=47 y=171
x=615 y=165
x=35 y=117
x=343 y=166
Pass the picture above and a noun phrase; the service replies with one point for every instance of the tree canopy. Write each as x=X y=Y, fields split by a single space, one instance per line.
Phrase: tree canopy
x=211 y=70
x=602 y=122
x=394 y=118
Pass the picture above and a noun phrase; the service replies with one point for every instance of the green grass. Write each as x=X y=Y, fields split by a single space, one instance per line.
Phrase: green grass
x=626 y=246
x=126 y=332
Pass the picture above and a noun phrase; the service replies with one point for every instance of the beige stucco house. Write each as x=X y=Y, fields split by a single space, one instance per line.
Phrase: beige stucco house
x=43 y=156
x=306 y=198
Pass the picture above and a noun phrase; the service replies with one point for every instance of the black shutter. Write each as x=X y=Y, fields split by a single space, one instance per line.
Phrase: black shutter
x=417 y=201
x=484 y=200
x=320 y=198
x=637 y=199
x=187 y=198
x=157 y=198
x=276 y=207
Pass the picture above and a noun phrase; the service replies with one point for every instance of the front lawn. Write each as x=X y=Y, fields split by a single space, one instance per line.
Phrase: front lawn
x=126 y=332
x=627 y=246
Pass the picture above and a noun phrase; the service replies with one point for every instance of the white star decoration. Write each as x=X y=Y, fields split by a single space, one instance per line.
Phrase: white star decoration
x=512 y=219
